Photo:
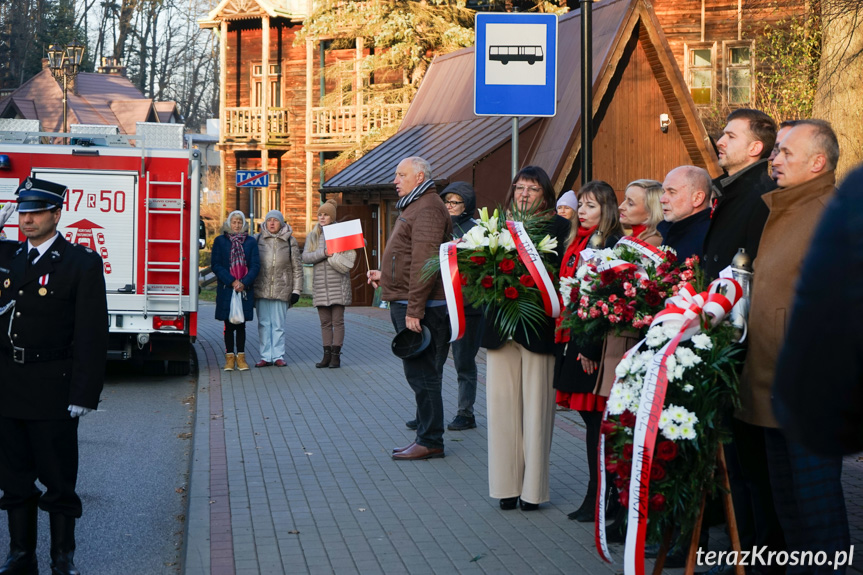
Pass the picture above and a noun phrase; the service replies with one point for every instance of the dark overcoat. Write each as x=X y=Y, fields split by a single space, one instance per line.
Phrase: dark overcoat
x=221 y=264
x=60 y=321
x=737 y=218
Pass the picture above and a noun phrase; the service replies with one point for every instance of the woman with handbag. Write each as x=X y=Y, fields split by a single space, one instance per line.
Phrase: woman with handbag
x=331 y=285
x=236 y=264
x=278 y=286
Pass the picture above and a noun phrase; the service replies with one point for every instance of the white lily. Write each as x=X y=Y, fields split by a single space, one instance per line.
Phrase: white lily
x=547 y=245
x=505 y=241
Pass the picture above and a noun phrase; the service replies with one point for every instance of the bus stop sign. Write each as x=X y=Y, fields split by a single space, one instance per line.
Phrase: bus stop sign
x=516 y=65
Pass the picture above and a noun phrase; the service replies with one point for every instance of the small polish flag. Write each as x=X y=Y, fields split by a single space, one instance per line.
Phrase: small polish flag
x=344 y=236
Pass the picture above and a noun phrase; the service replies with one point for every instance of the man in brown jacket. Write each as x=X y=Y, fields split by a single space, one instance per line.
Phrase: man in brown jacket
x=807 y=490
x=422 y=226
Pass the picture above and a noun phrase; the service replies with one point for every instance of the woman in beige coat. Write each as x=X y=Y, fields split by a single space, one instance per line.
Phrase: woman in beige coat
x=278 y=286
x=332 y=285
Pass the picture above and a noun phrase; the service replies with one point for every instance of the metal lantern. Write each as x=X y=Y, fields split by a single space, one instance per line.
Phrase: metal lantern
x=741 y=271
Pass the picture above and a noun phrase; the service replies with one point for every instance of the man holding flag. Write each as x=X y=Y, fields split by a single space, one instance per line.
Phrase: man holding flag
x=423 y=225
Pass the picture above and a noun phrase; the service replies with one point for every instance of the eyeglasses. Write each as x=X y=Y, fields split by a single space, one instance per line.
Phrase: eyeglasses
x=521 y=189
x=452 y=203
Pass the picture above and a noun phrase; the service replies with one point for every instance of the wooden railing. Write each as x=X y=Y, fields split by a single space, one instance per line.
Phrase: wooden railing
x=339 y=124
x=245 y=123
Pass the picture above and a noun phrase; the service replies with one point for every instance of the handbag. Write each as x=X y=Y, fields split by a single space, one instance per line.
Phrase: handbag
x=236 y=316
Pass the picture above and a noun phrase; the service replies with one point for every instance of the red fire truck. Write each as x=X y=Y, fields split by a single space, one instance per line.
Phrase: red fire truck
x=138 y=208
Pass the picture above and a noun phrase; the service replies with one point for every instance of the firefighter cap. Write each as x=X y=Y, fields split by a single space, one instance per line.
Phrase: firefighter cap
x=39 y=195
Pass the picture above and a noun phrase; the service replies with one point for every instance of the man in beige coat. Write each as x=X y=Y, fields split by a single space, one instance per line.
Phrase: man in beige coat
x=807 y=490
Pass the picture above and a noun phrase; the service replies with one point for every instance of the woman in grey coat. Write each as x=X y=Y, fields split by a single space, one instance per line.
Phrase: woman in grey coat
x=278 y=286
x=331 y=285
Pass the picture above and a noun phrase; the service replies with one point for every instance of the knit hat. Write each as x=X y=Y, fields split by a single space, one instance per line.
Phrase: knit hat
x=329 y=208
x=275 y=214
x=236 y=214
x=568 y=199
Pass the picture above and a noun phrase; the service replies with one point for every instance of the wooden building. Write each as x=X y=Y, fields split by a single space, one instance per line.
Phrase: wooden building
x=715 y=44
x=636 y=80
x=270 y=106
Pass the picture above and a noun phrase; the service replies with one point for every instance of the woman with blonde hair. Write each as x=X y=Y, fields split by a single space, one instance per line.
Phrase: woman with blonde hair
x=641 y=211
x=331 y=285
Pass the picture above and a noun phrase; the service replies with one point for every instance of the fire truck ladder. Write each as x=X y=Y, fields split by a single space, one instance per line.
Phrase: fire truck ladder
x=164 y=207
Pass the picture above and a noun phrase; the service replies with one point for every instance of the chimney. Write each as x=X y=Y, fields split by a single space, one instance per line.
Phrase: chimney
x=46 y=63
x=112 y=67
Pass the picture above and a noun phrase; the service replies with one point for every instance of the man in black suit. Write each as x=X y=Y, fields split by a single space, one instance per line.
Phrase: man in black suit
x=53 y=344
x=685 y=201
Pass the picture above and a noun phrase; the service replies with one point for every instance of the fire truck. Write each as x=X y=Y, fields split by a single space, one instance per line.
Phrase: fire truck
x=138 y=208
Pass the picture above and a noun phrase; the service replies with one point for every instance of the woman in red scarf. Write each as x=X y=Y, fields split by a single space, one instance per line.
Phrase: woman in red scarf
x=576 y=376
x=641 y=211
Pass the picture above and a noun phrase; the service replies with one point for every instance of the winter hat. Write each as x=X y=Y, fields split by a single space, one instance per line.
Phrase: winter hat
x=235 y=214
x=329 y=208
x=568 y=199
x=275 y=214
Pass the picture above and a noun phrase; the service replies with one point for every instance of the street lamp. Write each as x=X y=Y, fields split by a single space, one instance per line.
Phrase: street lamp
x=64 y=63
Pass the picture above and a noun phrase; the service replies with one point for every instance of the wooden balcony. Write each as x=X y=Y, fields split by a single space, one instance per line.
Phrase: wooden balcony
x=339 y=126
x=245 y=125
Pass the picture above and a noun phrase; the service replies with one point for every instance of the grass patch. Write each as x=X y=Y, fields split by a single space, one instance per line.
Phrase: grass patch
x=209 y=294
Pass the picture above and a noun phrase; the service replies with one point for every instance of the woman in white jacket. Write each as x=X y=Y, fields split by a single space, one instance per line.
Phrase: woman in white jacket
x=278 y=286
x=332 y=285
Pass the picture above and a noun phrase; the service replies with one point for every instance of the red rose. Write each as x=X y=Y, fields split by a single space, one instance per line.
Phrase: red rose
x=666 y=451
x=487 y=282
x=510 y=292
x=621 y=484
x=652 y=298
x=623 y=496
x=657 y=502
x=607 y=277
x=627 y=418
x=506 y=265
x=611 y=466
x=527 y=281
x=463 y=279
x=478 y=260
x=624 y=468
x=671 y=257
x=612 y=298
x=657 y=472
x=627 y=451
x=608 y=427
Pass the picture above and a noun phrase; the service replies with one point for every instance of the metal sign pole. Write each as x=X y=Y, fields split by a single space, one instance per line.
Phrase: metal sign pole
x=586 y=92
x=514 y=146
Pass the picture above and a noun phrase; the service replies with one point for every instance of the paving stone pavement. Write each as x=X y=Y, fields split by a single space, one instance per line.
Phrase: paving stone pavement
x=292 y=473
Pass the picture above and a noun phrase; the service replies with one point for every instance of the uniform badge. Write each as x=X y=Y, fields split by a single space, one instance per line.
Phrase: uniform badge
x=7 y=283
x=43 y=281
x=43 y=291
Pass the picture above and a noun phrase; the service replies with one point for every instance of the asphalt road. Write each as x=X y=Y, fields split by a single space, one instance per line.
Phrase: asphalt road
x=134 y=463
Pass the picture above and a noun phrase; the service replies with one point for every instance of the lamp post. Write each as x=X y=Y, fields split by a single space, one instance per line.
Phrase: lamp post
x=64 y=62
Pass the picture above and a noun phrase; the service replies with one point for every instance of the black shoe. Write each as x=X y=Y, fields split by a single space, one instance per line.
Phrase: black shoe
x=586 y=513
x=462 y=422
x=412 y=424
x=508 y=503
x=525 y=506
x=616 y=532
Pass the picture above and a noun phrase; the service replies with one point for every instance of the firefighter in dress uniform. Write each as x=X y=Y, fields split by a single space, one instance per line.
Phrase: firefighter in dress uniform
x=53 y=346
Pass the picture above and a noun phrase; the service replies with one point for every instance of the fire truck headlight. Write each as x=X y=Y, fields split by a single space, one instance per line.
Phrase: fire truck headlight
x=5 y=162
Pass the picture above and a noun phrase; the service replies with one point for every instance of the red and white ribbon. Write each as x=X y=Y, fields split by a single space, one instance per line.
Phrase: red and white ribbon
x=452 y=289
x=642 y=247
x=684 y=312
x=529 y=256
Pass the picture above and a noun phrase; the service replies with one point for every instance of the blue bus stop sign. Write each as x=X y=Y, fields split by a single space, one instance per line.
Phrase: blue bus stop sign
x=516 y=65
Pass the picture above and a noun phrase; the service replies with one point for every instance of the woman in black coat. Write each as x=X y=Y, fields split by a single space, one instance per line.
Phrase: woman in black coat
x=576 y=368
x=236 y=264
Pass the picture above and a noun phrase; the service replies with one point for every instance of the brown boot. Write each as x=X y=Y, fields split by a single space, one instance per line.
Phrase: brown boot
x=335 y=357
x=327 y=355
x=230 y=362
x=241 y=362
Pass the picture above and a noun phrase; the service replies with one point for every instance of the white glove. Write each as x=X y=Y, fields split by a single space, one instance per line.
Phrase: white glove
x=77 y=410
x=7 y=210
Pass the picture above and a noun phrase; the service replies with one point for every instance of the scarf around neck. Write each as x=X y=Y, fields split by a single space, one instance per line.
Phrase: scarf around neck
x=404 y=201
x=637 y=230
x=238 y=266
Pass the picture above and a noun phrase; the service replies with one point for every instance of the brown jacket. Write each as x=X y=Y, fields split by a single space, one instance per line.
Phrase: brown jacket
x=331 y=276
x=794 y=214
x=419 y=231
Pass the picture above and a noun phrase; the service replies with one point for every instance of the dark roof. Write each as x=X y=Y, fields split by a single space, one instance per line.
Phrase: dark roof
x=443 y=106
x=99 y=99
x=448 y=147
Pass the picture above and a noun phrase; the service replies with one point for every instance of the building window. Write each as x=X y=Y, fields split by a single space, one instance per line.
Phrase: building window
x=700 y=73
x=738 y=74
x=275 y=85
